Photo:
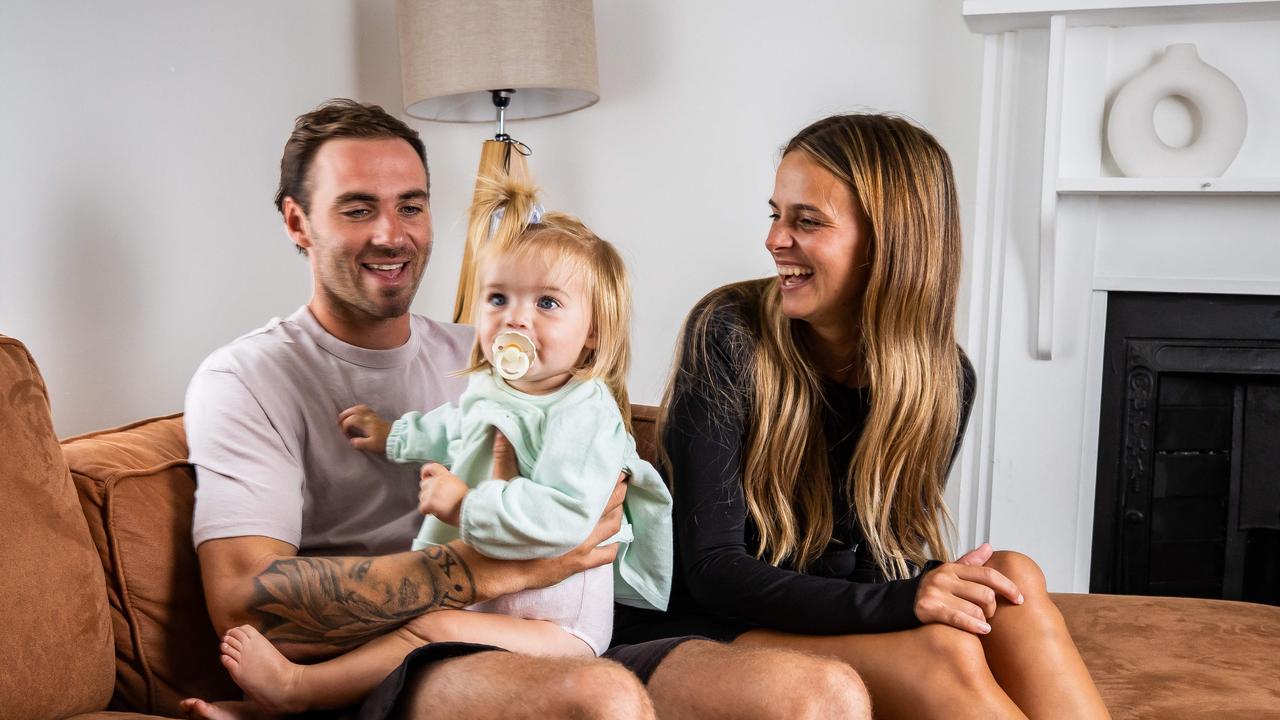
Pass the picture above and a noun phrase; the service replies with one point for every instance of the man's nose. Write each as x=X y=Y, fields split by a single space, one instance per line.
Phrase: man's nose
x=389 y=230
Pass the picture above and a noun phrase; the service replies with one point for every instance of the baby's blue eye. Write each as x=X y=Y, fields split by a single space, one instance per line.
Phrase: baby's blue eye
x=548 y=303
x=497 y=299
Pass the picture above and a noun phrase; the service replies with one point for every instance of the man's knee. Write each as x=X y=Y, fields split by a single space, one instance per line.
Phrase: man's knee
x=704 y=679
x=498 y=684
x=809 y=686
x=601 y=689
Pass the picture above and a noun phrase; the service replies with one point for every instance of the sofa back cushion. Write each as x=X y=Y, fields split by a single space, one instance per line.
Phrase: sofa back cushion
x=55 y=636
x=644 y=426
x=137 y=491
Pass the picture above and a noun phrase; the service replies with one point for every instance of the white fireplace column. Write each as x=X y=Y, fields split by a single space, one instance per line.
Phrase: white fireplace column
x=1057 y=227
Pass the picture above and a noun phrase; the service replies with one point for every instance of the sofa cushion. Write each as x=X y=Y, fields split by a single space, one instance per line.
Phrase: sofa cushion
x=644 y=426
x=137 y=491
x=55 y=636
x=1165 y=657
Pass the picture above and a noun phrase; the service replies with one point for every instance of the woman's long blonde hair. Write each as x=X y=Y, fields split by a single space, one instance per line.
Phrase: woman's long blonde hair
x=572 y=245
x=902 y=180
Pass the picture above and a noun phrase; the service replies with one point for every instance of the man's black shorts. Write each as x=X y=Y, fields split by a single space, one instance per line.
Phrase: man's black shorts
x=641 y=658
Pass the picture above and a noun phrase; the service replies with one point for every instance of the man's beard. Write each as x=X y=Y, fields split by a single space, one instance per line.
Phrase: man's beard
x=355 y=300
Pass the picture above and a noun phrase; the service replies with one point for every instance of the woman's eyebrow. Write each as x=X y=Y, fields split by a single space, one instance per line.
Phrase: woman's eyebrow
x=800 y=206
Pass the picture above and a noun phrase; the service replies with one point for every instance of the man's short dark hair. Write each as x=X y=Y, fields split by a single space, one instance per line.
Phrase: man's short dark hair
x=337 y=118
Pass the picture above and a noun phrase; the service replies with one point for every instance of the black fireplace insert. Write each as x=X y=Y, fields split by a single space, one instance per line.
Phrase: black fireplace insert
x=1188 y=494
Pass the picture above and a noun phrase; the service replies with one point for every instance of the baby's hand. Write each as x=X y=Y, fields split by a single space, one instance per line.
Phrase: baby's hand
x=440 y=493
x=367 y=431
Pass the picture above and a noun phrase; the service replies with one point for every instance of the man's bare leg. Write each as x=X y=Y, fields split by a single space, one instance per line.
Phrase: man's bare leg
x=707 y=680
x=517 y=687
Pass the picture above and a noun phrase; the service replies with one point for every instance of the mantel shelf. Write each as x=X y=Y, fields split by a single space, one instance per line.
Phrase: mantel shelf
x=993 y=16
x=1169 y=186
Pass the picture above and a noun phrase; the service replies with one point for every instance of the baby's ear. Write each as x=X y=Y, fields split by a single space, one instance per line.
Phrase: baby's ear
x=591 y=342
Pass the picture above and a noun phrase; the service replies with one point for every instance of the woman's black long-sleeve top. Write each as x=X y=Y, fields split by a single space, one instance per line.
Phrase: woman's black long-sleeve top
x=717 y=574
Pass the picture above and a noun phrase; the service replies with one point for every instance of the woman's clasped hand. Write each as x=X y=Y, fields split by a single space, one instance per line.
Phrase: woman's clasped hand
x=964 y=594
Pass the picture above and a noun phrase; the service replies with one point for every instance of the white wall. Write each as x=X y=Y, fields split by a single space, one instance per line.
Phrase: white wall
x=140 y=145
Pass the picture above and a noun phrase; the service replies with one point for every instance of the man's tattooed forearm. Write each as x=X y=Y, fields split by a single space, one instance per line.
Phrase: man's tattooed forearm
x=340 y=603
x=360 y=570
x=457 y=589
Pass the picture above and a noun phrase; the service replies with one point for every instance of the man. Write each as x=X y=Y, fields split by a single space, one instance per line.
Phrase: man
x=301 y=536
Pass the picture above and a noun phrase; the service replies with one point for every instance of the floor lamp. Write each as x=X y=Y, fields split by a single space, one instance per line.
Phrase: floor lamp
x=487 y=60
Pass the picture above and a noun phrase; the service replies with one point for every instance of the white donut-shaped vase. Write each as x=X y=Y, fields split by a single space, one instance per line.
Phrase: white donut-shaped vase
x=1131 y=130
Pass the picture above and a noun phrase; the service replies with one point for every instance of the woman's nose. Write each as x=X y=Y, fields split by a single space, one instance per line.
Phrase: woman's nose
x=777 y=239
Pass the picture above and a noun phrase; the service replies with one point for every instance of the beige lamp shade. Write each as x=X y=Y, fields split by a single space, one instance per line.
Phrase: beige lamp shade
x=454 y=52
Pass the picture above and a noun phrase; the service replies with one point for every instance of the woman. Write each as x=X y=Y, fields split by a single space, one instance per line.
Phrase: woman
x=811 y=422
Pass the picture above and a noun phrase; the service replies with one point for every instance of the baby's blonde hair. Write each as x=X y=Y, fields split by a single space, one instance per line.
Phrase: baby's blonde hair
x=563 y=239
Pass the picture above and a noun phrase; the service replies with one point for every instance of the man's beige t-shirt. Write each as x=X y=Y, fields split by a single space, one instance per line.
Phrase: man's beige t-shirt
x=262 y=427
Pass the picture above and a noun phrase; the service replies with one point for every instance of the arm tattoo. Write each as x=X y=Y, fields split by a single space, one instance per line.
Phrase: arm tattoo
x=337 y=603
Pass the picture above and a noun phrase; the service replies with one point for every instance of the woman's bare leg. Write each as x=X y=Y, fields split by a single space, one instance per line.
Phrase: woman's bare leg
x=1031 y=653
x=1027 y=665
x=935 y=671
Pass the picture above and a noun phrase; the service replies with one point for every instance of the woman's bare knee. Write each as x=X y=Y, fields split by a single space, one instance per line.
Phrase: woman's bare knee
x=961 y=662
x=1022 y=570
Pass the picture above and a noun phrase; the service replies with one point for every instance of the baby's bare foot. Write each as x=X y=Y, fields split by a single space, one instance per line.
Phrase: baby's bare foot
x=266 y=676
x=197 y=709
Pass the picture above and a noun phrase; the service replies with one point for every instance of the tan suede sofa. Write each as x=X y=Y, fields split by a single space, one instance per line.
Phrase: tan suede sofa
x=103 y=609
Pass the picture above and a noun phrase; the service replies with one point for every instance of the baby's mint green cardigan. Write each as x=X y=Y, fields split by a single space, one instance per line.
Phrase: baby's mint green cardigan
x=570 y=446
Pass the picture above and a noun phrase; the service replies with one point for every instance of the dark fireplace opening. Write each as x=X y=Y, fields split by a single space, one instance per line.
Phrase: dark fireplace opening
x=1188 y=494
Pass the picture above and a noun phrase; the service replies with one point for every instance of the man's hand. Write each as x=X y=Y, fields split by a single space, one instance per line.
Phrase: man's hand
x=963 y=593
x=368 y=431
x=440 y=493
x=504 y=458
x=501 y=577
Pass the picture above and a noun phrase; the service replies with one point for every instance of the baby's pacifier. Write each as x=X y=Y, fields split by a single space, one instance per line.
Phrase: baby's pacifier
x=513 y=353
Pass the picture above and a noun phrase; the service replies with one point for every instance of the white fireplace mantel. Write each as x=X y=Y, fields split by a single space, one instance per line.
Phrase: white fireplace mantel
x=1057 y=228
x=992 y=16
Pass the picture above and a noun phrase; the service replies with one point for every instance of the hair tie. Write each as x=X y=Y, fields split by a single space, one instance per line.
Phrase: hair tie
x=535 y=216
x=514 y=144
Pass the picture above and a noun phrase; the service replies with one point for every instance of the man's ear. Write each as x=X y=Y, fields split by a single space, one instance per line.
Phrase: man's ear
x=296 y=223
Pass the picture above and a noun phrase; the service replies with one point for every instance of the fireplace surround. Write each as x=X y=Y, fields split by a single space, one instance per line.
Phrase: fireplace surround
x=1059 y=234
